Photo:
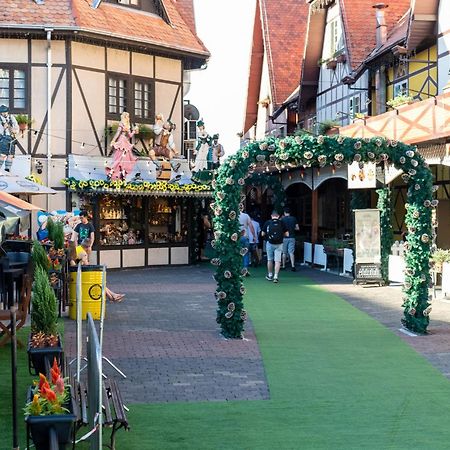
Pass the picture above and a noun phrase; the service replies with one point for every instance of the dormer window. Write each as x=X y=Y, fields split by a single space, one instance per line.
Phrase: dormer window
x=152 y=6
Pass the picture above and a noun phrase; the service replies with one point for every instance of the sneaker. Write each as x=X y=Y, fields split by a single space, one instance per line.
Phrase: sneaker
x=275 y=280
x=294 y=269
x=268 y=278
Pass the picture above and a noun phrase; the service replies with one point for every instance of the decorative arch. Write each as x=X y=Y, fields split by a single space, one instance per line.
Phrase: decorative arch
x=309 y=151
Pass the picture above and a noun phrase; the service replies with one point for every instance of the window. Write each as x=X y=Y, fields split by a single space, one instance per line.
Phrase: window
x=142 y=92
x=334 y=37
x=190 y=130
x=117 y=95
x=129 y=2
x=354 y=106
x=132 y=94
x=401 y=88
x=13 y=88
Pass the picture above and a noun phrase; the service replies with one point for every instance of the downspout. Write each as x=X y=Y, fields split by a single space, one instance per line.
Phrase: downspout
x=49 y=110
x=380 y=74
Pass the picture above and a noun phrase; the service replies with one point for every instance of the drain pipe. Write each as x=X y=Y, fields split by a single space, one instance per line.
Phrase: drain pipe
x=380 y=75
x=49 y=110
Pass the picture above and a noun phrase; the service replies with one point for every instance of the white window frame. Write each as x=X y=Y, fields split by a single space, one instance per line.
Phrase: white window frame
x=354 y=105
x=400 y=88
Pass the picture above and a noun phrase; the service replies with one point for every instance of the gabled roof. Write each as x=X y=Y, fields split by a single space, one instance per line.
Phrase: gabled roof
x=358 y=19
x=109 y=20
x=279 y=32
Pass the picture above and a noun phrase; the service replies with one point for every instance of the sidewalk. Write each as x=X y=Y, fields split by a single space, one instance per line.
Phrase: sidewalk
x=165 y=338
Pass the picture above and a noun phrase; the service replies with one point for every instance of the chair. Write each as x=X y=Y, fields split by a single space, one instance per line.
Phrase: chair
x=21 y=314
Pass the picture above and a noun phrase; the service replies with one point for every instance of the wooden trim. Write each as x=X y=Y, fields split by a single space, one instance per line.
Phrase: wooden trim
x=174 y=102
x=44 y=122
x=29 y=96
x=160 y=80
x=83 y=97
x=69 y=105
x=91 y=69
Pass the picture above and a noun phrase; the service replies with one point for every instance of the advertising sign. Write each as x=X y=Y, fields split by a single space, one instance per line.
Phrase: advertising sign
x=367 y=245
x=362 y=175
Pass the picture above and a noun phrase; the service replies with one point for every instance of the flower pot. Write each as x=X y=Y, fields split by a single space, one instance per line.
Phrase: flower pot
x=39 y=426
x=342 y=58
x=37 y=357
x=332 y=64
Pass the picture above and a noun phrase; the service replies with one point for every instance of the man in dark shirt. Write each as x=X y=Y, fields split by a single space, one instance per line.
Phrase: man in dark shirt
x=291 y=225
x=84 y=230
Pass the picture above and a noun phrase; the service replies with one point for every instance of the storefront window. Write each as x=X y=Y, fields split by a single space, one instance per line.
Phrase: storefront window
x=167 y=221
x=121 y=220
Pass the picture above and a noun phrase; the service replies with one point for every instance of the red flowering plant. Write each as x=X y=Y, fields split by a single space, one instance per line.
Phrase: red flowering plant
x=49 y=396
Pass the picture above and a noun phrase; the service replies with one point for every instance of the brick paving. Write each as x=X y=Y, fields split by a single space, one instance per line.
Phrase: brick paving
x=164 y=335
x=165 y=338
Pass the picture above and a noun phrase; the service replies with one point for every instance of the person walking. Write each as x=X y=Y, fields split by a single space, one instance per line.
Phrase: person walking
x=291 y=225
x=255 y=251
x=274 y=231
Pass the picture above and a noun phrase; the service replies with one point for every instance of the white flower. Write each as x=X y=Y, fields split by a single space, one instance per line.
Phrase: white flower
x=216 y=262
x=220 y=195
x=299 y=140
x=414 y=163
x=222 y=295
x=409 y=153
x=229 y=181
x=232 y=215
x=357 y=156
x=434 y=203
x=320 y=139
x=322 y=159
x=371 y=155
x=340 y=139
x=282 y=144
x=227 y=274
x=244 y=314
x=231 y=306
x=284 y=156
x=412 y=172
x=378 y=142
x=242 y=290
x=243 y=251
x=229 y=315
x=402 y=160
x=393 y=143
x=417 y=187
x=426 y=311
x=263 y=146
x=427 y=203
x=260 y=158
x=308 y=155
x=234 y=237
x=233 y=163
x=425 y=238
x=357 y=146
x=338 y=156
x=241 y=182
x=245 y=154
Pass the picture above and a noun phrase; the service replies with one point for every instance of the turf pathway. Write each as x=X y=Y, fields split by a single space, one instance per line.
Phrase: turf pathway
x=337 y=379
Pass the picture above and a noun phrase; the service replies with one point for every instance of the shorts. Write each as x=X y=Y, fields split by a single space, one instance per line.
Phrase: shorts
x=274 y=252
x=162 y=151
x=288 y=245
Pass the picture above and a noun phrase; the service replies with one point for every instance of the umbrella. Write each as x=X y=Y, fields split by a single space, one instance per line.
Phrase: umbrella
x=13 y=184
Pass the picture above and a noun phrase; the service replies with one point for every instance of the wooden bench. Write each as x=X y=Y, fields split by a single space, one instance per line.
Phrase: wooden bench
x=114 y=415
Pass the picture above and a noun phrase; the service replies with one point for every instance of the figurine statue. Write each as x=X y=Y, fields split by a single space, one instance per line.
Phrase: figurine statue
x=123 y=158
x=202 y=149
x=216 y=151
x=8 y=130
x=164 y=143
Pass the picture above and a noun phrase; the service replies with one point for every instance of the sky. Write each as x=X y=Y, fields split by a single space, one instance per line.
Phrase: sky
x=220 y=91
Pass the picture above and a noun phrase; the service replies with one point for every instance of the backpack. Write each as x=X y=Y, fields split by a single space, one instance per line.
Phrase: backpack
x=275 y=231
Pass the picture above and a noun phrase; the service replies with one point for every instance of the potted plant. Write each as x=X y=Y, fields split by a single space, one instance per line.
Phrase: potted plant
x=44 y=343
x=438 y=258
x=340 y=56
x=332 y=63
x=23 y=121
x=400 y=100
x=50 y=409
x=146 y=133
x=334 y=246
x=328 y=127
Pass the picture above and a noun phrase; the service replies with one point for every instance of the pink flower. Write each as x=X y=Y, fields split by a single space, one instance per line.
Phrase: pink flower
x=59 y=386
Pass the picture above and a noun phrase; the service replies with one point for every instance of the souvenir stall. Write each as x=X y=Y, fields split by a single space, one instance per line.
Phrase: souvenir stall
x=140 y=220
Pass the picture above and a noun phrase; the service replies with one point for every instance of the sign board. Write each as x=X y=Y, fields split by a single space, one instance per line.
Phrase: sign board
x=367 y=245
x=362 y=175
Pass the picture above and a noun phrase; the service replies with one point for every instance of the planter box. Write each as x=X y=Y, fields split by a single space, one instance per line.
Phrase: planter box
x=38 y=427
x=38 y=356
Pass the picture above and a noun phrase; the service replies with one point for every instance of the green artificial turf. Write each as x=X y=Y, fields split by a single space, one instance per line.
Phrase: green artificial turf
x=23 y=381
x=338 y=380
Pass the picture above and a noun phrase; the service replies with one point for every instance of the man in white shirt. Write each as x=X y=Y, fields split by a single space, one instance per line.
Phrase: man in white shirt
x=246 y=224
x=256 y=252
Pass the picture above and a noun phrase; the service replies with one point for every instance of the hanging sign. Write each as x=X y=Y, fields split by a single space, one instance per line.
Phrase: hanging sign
x=367 y=245
x=362 y=175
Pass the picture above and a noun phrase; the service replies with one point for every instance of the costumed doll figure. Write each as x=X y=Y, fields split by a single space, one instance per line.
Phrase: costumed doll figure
x=8 y=130
x=164 y=143
x=216 y=151
x=202 y=149
x=123 y=158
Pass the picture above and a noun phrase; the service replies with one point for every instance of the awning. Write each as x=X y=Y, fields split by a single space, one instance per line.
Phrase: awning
x=14 y=184
x=14 y=204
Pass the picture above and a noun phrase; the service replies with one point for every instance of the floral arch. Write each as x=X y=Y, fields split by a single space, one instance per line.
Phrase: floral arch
x=309 y=151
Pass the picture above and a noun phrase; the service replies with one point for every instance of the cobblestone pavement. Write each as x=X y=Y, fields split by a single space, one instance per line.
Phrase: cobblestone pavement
x=164 y=336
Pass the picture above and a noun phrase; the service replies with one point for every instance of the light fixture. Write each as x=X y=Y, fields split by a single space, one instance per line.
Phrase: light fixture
x=38 y=166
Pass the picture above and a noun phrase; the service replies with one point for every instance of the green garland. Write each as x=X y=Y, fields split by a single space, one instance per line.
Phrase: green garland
x=145 y=186
x=384 y=205
x=309 y=151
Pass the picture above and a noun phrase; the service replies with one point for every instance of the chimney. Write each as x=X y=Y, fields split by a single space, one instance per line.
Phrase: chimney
x=381 y=23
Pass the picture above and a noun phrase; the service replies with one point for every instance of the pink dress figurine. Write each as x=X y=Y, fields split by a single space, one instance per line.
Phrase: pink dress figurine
x=123 y=158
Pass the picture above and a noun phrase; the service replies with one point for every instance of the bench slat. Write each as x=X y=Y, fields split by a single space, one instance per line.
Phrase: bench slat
x=108 y=420
x=118 y=404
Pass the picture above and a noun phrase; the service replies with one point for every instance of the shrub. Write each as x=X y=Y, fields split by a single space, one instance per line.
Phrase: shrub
x=58 y=235
x=44 y=312
x=39 y=256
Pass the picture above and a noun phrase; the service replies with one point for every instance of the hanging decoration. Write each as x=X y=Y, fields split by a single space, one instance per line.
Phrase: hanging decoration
x=304 y=151
x=110 y=186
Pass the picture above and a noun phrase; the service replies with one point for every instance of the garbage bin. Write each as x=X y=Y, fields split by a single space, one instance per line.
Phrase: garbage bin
x=91 y=291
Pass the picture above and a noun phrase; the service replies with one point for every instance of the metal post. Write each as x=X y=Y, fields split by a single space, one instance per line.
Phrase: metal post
x=79 y=301
x=14 y=377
